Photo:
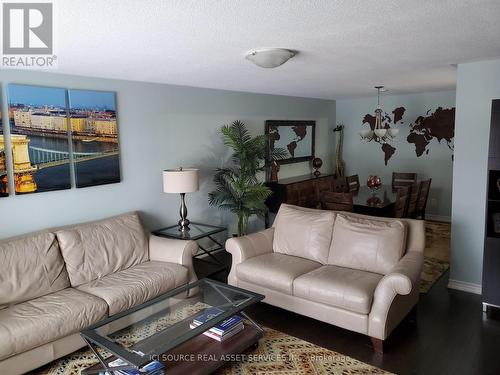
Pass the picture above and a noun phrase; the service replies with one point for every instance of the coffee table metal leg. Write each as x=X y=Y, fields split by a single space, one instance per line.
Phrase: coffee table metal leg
x=254 y=323
x=241 y=312
x=93 y=347
x=102 y=361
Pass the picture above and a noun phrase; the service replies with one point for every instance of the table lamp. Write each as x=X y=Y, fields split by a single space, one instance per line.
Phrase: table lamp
x=181 y=181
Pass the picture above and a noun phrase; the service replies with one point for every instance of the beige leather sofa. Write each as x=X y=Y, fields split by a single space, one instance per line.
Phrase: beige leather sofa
x=358 y=272
x=55 y=283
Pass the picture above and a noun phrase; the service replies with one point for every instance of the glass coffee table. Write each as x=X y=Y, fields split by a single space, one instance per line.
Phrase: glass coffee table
x=160 y=330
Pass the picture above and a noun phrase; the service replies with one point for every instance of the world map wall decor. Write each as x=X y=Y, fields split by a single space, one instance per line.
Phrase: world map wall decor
x=438 y=124
x=296 y=137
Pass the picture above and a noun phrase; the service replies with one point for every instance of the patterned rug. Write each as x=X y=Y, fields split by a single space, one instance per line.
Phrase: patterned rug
x=281 y=354
x=436 y=253
x=277 y=354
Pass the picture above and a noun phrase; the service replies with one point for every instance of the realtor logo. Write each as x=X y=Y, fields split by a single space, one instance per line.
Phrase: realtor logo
x=27 y=29
x=28 y=36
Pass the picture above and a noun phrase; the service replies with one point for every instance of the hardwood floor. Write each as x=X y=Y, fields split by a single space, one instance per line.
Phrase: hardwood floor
x=450 y=335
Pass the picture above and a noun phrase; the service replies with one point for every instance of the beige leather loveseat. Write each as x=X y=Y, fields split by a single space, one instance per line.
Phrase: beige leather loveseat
x=358 y=272
x=54 y=283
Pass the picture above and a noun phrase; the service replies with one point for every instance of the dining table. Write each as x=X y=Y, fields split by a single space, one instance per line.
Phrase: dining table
x=375 y=202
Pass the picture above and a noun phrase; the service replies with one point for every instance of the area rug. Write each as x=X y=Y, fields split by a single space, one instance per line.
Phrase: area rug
x=436 y=253
x=277 y=354
x=282 y=354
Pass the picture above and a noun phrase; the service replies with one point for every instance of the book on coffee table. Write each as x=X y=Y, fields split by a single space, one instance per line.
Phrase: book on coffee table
x=219 y=328
x=223 y=330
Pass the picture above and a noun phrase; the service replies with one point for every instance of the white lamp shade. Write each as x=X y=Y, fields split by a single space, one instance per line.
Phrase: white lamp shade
x=393 y=132
x=380 y=132
x=180 y=180
x=366 y=133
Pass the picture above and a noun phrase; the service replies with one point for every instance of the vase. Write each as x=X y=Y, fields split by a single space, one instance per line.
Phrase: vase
x=374 y=182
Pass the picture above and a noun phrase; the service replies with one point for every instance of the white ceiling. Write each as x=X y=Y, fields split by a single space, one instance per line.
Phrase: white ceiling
x=346 y=46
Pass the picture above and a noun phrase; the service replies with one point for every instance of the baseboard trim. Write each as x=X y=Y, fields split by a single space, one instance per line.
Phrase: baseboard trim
x=464 y=286
x=445 y=219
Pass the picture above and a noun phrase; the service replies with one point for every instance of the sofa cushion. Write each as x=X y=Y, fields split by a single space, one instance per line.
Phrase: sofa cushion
x=275 y=271
x=30 y=266
x=302 y=233
x=340 y=287
x=367 y=244
x=133 y=286
x=48 y=318
x=97 y=249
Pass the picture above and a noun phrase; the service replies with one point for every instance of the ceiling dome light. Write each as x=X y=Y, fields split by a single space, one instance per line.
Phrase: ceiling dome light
x=270 y=57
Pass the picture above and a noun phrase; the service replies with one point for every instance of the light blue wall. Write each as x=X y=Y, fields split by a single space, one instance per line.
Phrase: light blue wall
x=477 y=85
x=160 y=126
x=367 y=158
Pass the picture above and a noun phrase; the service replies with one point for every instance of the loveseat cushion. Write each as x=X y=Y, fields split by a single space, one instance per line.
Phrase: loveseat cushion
x=303 y=233
x=275 y=271
x=42 y=320
x=367 y=244
x=100 y=248
x=138 y=284
x=30 y=266
x=338 y=286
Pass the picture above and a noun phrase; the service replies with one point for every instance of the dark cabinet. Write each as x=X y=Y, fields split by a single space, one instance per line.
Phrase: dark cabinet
x=491 y=272
x=491 y=256
x=300 y=191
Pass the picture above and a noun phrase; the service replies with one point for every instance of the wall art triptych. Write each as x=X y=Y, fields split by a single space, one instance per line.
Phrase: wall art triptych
x=52 y=129
x=4 y=186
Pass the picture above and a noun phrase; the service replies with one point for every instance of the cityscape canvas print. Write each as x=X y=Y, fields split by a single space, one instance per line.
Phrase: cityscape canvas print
x=94 y=133
x=39 y=138
x=4 y=186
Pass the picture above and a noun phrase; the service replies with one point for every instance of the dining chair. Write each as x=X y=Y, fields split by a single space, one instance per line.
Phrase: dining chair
x=403 y=179
x=402 y=200
x=336 y=201
x=339 y=185
x=412 y=204
x=352 y=182
x=423 y=196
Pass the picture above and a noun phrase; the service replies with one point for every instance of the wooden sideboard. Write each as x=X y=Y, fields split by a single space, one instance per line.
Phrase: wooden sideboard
x=300 y=191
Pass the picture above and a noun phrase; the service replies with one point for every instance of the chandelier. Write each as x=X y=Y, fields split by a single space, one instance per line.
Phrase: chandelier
x=381 y=132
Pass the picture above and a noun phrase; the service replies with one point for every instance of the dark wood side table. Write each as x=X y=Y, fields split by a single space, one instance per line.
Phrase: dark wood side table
x=197 y=232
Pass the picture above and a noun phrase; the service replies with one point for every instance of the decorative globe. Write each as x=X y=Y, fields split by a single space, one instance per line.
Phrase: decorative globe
x=317 y=163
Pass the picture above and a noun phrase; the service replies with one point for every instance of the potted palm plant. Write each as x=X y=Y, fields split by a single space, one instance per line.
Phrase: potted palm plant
x=237 y=188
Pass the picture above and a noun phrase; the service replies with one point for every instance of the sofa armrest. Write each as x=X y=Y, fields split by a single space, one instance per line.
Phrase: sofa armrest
x=174 y=251
x=403 y=280
x=251 y=245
